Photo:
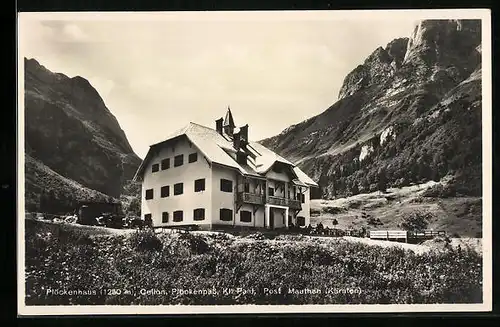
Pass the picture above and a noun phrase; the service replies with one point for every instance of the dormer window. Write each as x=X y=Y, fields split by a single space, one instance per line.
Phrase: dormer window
x=241 y=158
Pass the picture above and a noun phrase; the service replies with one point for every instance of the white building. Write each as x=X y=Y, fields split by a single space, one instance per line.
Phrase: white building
x=216 y=178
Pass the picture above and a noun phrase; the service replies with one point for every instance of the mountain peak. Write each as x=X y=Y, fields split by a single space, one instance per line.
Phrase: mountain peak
x=70 y=129
x=431 y=38
x=433 y=44
x=32 y=61
x=406 y=104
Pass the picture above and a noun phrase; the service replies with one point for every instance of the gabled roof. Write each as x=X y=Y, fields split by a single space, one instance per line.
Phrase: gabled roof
x=216 y=148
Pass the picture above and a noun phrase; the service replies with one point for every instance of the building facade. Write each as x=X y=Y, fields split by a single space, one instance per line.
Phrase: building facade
x=216 y=178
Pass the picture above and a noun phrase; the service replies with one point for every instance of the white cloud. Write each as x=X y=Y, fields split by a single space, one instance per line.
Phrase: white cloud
x=73 y=32
x=157 y=76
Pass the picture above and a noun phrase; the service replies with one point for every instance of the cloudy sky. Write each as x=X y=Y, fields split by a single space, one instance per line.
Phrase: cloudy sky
x=156 y=73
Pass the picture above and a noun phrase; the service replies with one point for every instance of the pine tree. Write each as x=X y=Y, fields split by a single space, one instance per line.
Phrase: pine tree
x=382 y=180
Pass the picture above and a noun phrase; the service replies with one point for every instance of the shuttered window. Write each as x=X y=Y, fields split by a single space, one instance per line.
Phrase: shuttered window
x=165 y=164
x=245 y=216
x=193 y=157
x=178 y=160
x=178 y=188
x=178 y=216
x=226 y=214
x=226 y=185
x=199 y=185
x=199 y=214
x=148 y=219
x=165 y=191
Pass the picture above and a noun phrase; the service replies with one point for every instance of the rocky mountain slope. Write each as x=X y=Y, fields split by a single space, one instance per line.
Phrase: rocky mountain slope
x=410 y=113
x=70 y=133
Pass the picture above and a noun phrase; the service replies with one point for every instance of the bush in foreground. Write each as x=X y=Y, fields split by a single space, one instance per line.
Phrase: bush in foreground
x=120 y=271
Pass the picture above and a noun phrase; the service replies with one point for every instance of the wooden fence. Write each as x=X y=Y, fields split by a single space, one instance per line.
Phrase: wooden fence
x=395 y=235
x=401 y=235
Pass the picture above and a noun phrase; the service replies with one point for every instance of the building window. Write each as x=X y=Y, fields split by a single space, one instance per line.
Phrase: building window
x=247 y=188
x=178 y=188
x=193 y=157
x=303 y=198
x=178 y=216
x=241 y=158
x=199 y=214
x=165 y=191
x=149 y=194
x=299 y=196
x=164 y=217
x=199 y=185
x=155 y=168
x=178 y=160
x=165 y=164
x=301 y=221
x=271 y=191
x=245 y=216
x=226 y=214
x=148 y=219
x=226 y=185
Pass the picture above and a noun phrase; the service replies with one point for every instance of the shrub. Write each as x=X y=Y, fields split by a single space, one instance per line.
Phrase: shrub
x=256 y=236
x=384 y=275
x=439 y=191
x=334 y=222
x=418 y=199
x=416 y=221
x=197 y=244
x=354 y=204
x=145 y=240
x=333 y=210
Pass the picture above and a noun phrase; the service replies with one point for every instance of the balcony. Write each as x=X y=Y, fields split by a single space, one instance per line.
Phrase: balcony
x=293 y=204
x=277 y=201
x=251 y=198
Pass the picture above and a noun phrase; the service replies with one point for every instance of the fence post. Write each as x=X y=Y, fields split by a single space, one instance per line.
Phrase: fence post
x=387 y=235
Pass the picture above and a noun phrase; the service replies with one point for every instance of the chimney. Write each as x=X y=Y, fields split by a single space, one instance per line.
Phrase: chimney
x=244 y=134
x=218 y=125
x=237 y=141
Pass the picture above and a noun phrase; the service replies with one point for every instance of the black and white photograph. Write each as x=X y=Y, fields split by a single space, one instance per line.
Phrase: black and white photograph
x=253 y=162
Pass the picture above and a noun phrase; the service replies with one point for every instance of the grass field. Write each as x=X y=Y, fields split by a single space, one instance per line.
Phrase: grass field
x=144 y=268
x=458 y=216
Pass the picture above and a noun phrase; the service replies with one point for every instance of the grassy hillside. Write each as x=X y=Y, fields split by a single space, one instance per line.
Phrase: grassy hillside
x=458 y=216
x=40 y=178
x=130 y=269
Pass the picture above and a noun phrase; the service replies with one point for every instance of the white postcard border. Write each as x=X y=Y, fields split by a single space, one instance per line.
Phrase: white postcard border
x=483 y=14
